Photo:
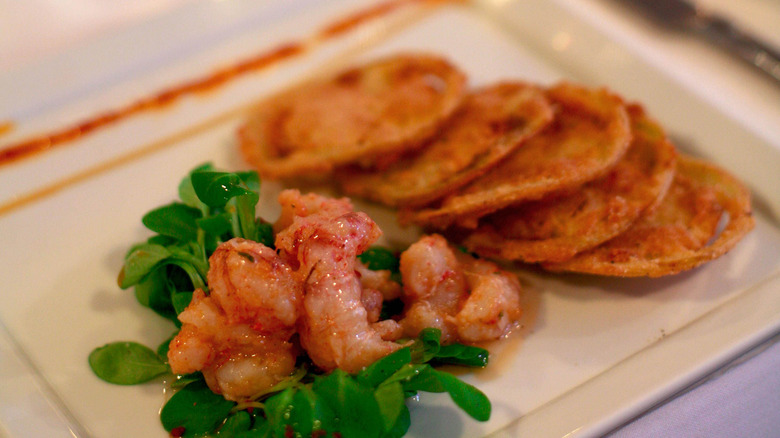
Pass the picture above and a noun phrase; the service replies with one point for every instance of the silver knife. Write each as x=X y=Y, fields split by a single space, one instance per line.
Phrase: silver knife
x=684 y=15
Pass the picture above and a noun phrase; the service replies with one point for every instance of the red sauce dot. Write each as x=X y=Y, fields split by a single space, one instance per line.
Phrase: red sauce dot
x=177 y=431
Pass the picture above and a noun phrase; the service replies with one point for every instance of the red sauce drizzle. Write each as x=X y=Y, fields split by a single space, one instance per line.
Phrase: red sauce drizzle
x=350 y=22
x=48 y=141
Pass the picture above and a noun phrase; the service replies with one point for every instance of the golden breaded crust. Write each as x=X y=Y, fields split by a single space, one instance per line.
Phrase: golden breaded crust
x=589 y=135
x=557 y=227
x=386 y=106
x=491 y=123
x=681 y=233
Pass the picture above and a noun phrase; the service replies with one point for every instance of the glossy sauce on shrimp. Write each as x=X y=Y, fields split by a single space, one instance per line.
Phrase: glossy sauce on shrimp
x=468 y=299
x=334 y=327
x=239 y=334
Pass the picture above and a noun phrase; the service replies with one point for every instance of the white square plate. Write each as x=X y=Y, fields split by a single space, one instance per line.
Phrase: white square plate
x=595 y=351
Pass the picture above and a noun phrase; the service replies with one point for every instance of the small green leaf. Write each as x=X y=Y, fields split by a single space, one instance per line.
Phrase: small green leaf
x=251 y=179
x=215 y=189
x=473 y=401
x=418 y=377
x=161 y=289
x=245 y=213
x=181 y=300
x=426 y=346
x=299 y=411
x=140 y=262
x=260 y=427
x=153 y=292
x=215 y=225
x=277 y=410
x=158 y=239
x=466 y=355
x=391 y=401
x=265 y=234
x=236 y=423
x=187 y=192
x=196 y=409
x=235 y=192
x=126 y=363
x=423 y=377
x=185 y=379
x=187 y=257
x=354 y=405
x=401 y=425
x=175 y=220
x=382 y=369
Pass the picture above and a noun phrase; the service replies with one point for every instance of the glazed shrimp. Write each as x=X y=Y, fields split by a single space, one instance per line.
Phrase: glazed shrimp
x=294 y=204
x=468 y=299
x=379 y=281
x=334 y=326
x=378 y=287
x=253 y=284
x=434 y=287
x=238 y=336
x=493 y=304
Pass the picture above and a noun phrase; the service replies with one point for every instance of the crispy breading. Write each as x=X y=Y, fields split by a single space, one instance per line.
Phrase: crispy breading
x=557 y=227
x=681 y=233
x=589 y=135
x=386 y=106
x=491 y=123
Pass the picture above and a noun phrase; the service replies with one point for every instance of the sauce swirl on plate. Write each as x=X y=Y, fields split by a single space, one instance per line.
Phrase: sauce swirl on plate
x=29 y=147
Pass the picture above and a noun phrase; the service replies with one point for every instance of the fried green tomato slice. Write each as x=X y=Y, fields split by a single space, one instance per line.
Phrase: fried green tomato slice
x=491 y=123
x=557 y=227
x=681 y=234
x=386 y=106
x=589 y=135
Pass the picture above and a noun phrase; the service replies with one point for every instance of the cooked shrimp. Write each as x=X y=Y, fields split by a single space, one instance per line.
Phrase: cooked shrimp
x=378 y=287
x=192 y=349
x=239 y=335
x=434 y=287
x=379 y=281
x=295 y=204
x=334 y=327
x=493 y=304
x=253 y=284
x=372 y=302
x=468 y=299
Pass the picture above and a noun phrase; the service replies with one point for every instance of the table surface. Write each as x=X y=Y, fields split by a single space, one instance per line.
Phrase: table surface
x=740 y=400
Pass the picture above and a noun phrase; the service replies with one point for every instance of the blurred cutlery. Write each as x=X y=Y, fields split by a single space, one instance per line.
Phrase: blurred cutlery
x=685 y=15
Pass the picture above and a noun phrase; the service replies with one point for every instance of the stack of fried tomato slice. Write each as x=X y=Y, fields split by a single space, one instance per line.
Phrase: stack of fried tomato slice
x=569 y=177
x=492 y=123
x=681 y=233
x=563 y=224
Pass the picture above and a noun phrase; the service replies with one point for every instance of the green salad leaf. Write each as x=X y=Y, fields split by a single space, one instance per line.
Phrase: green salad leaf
x=140 y=262
x=127 y=363
x=174 y=220
x=235 y=424
x=195 y=409
x=214 y=207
